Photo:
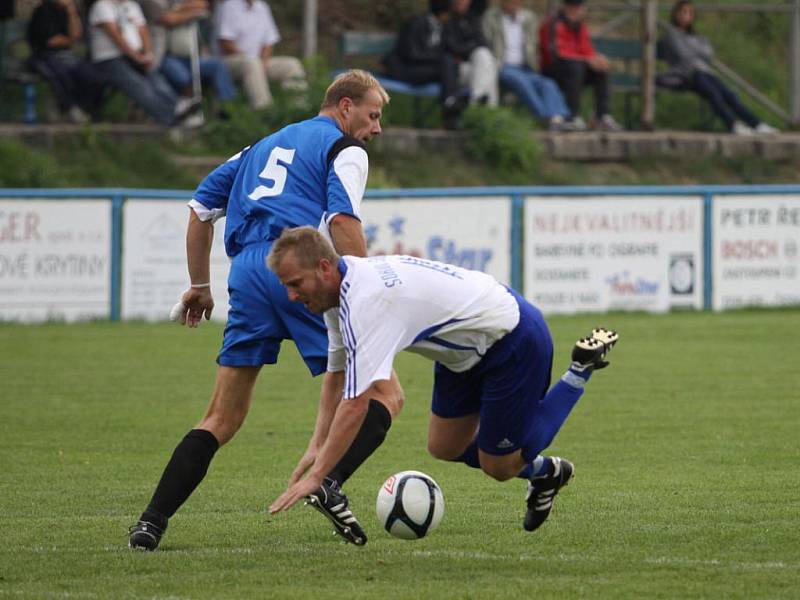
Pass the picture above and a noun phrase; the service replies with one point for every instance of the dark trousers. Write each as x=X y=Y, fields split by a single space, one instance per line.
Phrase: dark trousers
x=572 y=76
x=74 y=81
x=444 y=72
x=724 y=102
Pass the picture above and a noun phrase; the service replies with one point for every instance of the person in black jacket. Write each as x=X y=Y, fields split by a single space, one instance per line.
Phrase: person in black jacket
x=419 y=57
x=477 y=68
x=53 y=30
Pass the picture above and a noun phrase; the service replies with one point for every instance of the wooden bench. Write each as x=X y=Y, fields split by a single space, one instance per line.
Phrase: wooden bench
x=14 y=70
x=627 y=81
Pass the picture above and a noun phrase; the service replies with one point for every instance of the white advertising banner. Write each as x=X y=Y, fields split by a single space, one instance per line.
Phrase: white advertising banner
x=594 y=254
x=154 y=271
x=755 y=251
x=469 y=232
x=55 y=259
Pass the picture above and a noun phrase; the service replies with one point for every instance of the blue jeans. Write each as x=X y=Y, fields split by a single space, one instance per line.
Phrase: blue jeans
x=178 y=71
x=149 y=90
x=538 y=93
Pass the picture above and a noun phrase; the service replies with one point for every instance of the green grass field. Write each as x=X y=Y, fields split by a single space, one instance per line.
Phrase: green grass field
x=686 y=452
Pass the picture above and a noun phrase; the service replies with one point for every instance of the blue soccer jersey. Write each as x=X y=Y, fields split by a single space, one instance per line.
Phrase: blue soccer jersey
x=302 y=174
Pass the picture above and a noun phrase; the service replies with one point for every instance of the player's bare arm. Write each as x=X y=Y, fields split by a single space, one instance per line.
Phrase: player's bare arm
x=348 y=236
x=346 y=423
x=197 y=301
x=330 y=396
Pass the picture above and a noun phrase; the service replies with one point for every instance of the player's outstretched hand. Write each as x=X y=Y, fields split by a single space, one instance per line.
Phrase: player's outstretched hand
x=304 y=465
x=193 y=305
x=295 y=492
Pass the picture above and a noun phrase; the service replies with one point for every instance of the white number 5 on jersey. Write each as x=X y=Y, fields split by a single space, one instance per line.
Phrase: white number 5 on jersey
x=274 y=171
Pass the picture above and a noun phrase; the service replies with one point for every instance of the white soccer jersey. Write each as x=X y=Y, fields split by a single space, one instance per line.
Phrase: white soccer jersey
x=394 y=303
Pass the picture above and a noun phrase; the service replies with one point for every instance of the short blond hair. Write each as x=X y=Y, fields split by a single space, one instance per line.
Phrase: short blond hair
x=308 y=244
x=353 y=84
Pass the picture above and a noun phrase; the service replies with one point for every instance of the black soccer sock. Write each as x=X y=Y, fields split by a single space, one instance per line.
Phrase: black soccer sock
x=184 y=471
x=369 y=437
x=471 y=458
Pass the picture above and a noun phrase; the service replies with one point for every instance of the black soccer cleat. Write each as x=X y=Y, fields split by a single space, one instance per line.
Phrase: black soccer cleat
x=542 y=492
x=331 y=502
x=589 y=353
x=145 y=536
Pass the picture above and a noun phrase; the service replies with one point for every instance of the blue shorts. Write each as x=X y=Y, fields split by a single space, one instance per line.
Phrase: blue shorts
x=261 y=316
x=505 y=387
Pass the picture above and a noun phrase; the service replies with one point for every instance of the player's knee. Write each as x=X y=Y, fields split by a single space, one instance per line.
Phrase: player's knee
x=443 y=451
x=501 y=471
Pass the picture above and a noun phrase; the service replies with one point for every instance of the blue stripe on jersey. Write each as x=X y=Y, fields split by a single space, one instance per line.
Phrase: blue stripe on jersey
x=348 y=356
x=349 y=337
x=451 y=345
x=433 y=266
x=434 y=328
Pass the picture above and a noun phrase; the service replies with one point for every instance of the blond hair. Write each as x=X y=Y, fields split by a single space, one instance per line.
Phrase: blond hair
x=308 y=244
x=353 y=84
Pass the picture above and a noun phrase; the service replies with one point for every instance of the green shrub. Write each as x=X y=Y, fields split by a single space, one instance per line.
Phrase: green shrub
x=501 y=138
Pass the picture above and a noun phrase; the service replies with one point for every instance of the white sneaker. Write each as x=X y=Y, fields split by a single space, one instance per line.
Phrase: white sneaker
x=575 y=124
x=556 y=123
x=742 y=129
x=183 y=105
x=765 y=129
x=193 y=121
x=76 y=115
x=608 y=123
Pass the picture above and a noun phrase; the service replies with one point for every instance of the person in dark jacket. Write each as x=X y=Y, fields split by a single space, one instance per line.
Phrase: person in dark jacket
x=476 y=65
x=55 y=27
x=419 y=57
x=566 y=54
x=688 y=56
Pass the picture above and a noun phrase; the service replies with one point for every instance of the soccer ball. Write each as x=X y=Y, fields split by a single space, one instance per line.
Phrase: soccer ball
x=410 y=505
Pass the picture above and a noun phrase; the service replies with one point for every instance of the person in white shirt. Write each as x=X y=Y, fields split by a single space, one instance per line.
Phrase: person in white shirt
x=246 y=33
x=492 y=406
x=512 y=34
x=122 y=51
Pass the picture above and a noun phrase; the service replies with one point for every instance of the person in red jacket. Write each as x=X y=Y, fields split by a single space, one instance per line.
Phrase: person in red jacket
x=566 y=54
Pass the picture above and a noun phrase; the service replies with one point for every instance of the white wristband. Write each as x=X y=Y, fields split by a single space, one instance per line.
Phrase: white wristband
x=200 y=285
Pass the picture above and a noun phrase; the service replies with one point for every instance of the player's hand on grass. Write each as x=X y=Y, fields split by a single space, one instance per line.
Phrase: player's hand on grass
x=193 y=305
x=304 y=465
x=295 y=492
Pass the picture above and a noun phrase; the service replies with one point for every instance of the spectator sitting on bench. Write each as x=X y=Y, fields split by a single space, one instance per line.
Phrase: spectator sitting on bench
x=120 y=47
x=419 y=57
x=476 y=65
x=688 y=56
x=173 y=29
x=246 y=33
x=53 y=30
x=566 y=54
x=513 y=36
